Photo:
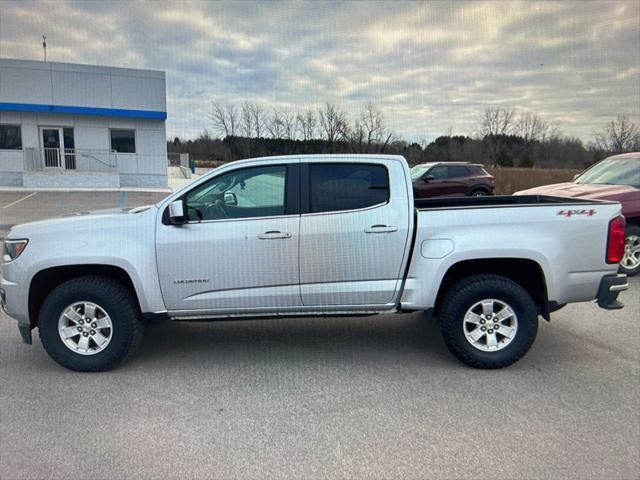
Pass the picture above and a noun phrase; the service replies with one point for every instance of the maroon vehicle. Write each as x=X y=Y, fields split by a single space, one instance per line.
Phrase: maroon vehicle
x=615 y=178
x=451 y=179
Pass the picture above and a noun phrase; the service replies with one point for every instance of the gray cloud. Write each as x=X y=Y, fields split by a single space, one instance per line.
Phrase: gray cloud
x=429 y=66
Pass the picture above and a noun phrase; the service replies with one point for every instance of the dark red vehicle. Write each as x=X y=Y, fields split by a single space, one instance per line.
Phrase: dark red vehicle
x=615 y=178
x=451 y=179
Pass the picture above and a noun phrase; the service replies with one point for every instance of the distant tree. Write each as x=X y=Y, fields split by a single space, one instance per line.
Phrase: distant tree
x=504 y=159
x=531 y=127
x=275 y=125
x=259 y=119
x=224 y=118
x=333 y=123
x=246 y=116
x=495 y=123
x=619 y=136
x=289 y=124
x=527 y=160
x=307 y=122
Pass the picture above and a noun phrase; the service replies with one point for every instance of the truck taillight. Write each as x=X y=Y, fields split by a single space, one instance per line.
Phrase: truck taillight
x=615 y=240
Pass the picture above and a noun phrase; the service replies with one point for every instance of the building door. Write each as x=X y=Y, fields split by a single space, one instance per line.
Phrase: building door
x=58 y=148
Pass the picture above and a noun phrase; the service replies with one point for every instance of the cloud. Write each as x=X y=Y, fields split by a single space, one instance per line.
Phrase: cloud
x=429 y=66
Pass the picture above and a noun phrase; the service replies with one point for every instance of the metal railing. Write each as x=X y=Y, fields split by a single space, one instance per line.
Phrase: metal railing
x=36 y=159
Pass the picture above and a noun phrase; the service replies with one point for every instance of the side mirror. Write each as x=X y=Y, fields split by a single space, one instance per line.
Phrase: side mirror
x=428 y=178
x=230 y=199
x=176 y=212
x=576 y=176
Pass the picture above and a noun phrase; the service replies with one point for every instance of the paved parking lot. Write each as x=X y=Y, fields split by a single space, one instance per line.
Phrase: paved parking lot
x=376 y=397
x=23 y=206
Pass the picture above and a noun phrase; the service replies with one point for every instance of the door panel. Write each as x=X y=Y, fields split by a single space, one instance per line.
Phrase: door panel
x=353 y=257
x=226 y=265
x=232 y=256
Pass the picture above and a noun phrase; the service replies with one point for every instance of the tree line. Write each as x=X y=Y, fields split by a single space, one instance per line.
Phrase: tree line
x=503 y=137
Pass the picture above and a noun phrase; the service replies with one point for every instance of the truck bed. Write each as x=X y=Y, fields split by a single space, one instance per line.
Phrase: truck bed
x=498 y=201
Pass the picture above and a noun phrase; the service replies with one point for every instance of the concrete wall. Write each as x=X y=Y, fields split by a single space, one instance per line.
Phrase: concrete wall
x=67 y=84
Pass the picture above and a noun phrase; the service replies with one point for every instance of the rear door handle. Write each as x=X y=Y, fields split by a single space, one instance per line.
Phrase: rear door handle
x=380 y=229
x=274 y=235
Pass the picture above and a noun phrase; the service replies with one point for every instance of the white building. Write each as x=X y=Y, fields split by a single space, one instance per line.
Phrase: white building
x=66 y=125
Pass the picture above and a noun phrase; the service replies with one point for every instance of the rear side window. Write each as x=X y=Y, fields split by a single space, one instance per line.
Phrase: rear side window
x=477 y=170
x=458 y=171
x=347 y=186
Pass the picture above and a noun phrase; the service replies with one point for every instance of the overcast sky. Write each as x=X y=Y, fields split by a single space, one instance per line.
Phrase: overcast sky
x=429 y=66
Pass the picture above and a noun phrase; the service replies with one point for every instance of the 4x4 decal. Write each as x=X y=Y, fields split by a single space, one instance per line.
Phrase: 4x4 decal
x=572 y=212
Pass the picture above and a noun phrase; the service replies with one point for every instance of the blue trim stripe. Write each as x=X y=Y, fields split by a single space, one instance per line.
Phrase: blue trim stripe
x=107 y=112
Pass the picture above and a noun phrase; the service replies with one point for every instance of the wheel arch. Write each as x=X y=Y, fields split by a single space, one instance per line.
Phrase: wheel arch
x=633 y=221
x=525 y=272
x=480 y=186
x=47 y=279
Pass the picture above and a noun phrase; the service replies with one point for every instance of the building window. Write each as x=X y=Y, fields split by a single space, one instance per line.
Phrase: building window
x=10 y=137
x=123 y=141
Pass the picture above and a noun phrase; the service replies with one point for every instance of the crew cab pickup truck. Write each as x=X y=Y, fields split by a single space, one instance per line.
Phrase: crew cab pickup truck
x=311 y=235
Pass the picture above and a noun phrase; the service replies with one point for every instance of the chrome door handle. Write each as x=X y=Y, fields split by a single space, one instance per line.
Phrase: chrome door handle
x=274 y=235
x=380 y=229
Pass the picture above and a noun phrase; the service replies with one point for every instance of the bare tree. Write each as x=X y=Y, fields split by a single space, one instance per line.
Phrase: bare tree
x=357 y=137
x=333 y=123
x=289 y=124
x=531 y=127
x=494 y=125
x=259 y=119
x=224 y=119
x=619 y=136
x=307 y=124
x=274 y=125
x=372 y=122
x=246 y=115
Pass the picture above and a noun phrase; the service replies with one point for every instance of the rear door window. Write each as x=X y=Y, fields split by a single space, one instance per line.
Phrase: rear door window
x=456 y=171
x=336 y=187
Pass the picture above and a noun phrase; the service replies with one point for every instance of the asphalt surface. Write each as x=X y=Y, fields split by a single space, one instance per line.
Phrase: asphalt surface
x=28 y=206
x=351 y=397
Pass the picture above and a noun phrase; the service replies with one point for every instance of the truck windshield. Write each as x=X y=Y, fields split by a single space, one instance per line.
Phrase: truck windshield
x=613 y=171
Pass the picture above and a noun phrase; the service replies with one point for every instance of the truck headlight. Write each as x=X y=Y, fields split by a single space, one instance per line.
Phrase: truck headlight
x=13 y=249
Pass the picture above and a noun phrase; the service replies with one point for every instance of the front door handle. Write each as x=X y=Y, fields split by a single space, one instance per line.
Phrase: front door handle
x=274 y=235
x=380 y=229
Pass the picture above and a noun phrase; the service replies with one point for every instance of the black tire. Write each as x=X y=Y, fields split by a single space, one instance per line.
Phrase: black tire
x=115 y=299
x=463 y=295
x=479 y=192
x=631 y=231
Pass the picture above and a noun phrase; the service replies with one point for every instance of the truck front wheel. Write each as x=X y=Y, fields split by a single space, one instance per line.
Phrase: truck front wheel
x=90 y=324
x=488 y=321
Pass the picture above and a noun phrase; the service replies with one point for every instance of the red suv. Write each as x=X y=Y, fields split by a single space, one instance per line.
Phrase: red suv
x=451 y=179
x=615 y=178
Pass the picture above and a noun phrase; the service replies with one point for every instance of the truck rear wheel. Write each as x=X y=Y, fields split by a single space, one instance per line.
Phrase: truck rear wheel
x=630 y=263
x=90 y=324
x=488 y=321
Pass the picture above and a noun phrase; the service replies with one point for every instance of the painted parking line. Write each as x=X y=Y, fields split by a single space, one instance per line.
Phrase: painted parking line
x=20 y=200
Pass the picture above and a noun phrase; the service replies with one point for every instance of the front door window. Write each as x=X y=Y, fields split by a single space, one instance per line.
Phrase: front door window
x=58 y=148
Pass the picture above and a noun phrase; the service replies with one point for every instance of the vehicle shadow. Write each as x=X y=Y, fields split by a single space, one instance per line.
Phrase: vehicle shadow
x=325 y=339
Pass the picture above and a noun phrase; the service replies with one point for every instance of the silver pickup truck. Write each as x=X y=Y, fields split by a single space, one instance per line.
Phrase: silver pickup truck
x=311 y=235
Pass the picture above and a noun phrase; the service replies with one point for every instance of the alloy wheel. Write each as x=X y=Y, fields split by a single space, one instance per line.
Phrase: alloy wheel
x=490 y=325
x=85 y=328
